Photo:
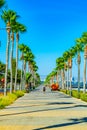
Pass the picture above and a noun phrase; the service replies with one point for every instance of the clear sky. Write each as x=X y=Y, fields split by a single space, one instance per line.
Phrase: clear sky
x=52 y=27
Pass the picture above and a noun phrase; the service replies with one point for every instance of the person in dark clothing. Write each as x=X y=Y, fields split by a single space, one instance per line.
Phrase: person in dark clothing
x=44 y=89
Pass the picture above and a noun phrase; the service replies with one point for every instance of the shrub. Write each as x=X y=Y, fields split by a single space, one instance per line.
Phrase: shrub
x=84 y=97
x=75 y=94
x=19 y=93
x=63 y=90
x=68 y=92
x=4 y=101
x=10 y=98
x=80 y=95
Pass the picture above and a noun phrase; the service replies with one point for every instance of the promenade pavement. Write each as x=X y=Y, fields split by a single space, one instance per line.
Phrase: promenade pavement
x=48 y=110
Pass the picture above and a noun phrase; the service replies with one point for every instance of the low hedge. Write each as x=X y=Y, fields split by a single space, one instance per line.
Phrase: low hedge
x=10 y=98
x=83 y=97
x=19 y=93
x=76 y=94
x=80 y=95
x=65 y=91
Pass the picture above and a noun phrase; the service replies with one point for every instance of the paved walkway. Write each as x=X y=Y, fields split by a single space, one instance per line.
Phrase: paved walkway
x=44 y=111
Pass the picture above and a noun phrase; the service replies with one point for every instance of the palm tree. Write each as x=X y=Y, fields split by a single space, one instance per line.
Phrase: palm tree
x=79 y=48
x=12 y=48
x=83 y=41
x=22 y=49
x=66 y=57
x=8 y=17
x=60 y=66
x=34 y=70
x=18 y=28
x=57 y=74
x=72 y=53
x=48 y=80
x=37 y=78
x=26 y=57
x=65 y=69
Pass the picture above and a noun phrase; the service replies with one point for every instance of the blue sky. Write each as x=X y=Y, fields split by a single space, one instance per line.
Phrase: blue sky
x=52 y=27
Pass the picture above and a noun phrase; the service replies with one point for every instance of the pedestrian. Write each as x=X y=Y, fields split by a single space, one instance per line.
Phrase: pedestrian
x=44 y=89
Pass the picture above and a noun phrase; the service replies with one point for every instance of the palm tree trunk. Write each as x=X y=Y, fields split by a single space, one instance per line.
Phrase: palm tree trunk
x=24 y=73
x=17 y=40
x=21 y=87
x=52 y=80
x=7 y=60
x=67 y=78
x=78 y=60
x=34 y=78
x=62 y=79
x=70 y=81
x=84 y=87
x=11 y=62
x=57 y=78
x=22 y=77
x=78 y=78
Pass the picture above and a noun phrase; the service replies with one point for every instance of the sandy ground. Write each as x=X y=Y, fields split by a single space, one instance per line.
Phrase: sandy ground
x=45 y=111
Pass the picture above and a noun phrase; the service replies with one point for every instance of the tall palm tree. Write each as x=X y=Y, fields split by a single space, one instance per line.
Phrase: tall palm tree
x=57 y=74
x=12 y=49
x=38 y=81
x=83 y=40
x=48 y=80
x=66 y=57
x=60 y=66
x=26 y=55
x=79 y=48
x=65 y=69
x=18 y=28
x=8 y=17
x=22 y=49
x=72 y=53
x=34 y=69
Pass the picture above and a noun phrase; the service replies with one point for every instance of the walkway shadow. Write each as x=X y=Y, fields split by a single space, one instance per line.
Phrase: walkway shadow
x=73 y=122
x=43 y=110
x=44 y=104
x=60 y=103
x=75 y=106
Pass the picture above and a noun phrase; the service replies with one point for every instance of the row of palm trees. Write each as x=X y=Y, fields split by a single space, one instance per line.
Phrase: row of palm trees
x=14 y=28
x=27 y=58
x=64 y=65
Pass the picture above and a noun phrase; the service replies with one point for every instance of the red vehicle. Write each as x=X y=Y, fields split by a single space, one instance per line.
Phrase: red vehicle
x=55 y=87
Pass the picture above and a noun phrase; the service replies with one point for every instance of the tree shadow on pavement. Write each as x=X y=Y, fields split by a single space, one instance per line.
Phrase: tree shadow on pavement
x=43 y=104
x=72 y=122
x=44 y=110
x=60 y=103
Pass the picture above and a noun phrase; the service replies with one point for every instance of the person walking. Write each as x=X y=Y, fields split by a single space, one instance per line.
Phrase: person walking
x=44 y=89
